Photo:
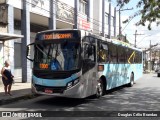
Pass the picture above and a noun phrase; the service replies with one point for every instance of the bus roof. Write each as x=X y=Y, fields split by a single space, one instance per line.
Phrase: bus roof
x=117 y=42
x=114 y=41
x=58 y=30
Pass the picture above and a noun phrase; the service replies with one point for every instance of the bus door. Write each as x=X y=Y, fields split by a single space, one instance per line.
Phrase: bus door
x=89 y=69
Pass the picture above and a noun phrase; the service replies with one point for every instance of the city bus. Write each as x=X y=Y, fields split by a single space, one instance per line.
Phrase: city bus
x=77 y=64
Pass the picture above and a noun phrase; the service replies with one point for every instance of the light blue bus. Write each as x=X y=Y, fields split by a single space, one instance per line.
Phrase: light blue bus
x=77 y=64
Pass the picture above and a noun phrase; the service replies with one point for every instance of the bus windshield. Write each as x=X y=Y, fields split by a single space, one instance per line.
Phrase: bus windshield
x=59 y=56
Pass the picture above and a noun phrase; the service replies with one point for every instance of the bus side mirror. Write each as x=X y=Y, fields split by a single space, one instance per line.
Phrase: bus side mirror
x=29 y=52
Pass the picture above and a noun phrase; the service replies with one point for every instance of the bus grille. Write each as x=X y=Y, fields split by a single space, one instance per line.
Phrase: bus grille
x=50 y=75
x=54 y=89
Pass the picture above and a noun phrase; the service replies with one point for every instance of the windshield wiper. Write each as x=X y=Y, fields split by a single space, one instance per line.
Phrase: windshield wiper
x=41 y=50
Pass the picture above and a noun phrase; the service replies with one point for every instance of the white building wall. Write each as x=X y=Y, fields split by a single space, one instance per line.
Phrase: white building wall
x=91 y=15
x=17 y=71
x=15 y=3
x=1 y=56
x=69 y=2
x=100 y=15
x=97 y=16
x=106 y=25
x=41 y=7
x=112 y=15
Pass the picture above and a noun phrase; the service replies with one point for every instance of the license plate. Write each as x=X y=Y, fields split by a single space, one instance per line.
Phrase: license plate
x=48 y=91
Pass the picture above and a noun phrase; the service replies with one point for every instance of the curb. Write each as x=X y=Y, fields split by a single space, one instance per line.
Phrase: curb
x=23 y=97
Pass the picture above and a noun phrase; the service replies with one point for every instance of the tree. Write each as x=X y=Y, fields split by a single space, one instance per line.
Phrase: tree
x=148 y=9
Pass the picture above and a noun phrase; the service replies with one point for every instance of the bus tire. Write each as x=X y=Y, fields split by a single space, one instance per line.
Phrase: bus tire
x=158 y=74
x=100 y=91
x=131 y=80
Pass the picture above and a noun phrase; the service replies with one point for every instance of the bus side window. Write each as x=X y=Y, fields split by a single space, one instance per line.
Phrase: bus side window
x=89 y=52
x=103 y=53
x=130 y=56
x=138 y=57
x=113 y=53
x=121 y=54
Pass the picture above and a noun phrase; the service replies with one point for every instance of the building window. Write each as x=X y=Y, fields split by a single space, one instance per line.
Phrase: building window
x=83 y=6
x=112 y=21
x=106 y=18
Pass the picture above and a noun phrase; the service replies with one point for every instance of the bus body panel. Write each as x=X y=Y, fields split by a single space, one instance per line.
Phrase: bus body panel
x=85 y=87
x=90 y=79
x=53 y=82
x=74 y=92
x=119 y=74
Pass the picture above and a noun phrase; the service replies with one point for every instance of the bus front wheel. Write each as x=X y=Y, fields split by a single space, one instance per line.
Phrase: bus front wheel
x=131 y=80
x=100 y=89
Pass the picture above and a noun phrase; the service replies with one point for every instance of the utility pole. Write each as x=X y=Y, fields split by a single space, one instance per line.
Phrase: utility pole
x=119 y=24
x=120 y=34
x=150 y=57
x=136 y=38
x=159 y=57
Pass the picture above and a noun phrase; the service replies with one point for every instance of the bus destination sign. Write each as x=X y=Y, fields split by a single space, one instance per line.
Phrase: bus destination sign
x=57 y=36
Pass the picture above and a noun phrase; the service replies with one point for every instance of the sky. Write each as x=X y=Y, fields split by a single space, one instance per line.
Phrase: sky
x=143 y=41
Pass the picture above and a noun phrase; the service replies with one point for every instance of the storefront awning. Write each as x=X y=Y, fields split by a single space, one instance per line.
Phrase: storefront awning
x=7 y=36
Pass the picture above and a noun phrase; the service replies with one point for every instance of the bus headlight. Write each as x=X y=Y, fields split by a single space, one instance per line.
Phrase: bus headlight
x=72 y=83
x=69 y=85
x=76 y=81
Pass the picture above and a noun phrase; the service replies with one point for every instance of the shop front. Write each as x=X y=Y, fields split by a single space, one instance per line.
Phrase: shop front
x=5 y=49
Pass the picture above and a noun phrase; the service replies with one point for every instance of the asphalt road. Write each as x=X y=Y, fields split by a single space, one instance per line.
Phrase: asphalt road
x=143 y=96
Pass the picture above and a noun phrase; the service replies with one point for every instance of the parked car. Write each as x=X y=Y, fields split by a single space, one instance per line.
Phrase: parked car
x=156 y=68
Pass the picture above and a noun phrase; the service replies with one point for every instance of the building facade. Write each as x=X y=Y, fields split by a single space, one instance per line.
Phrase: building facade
x=27 y=17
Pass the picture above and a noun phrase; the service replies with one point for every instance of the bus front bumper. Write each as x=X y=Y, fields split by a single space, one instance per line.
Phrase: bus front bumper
x=76 y=91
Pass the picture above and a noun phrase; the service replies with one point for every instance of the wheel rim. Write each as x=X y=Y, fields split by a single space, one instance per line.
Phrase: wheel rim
x=132 y=80
x=99 y=90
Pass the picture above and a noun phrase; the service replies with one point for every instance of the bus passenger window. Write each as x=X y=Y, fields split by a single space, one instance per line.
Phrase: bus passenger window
x=121 y=54
x=130 y=56
x=103 y=53
x=113 y=53
x=89 y=52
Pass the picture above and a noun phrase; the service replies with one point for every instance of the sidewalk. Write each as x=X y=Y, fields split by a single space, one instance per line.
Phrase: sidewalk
x=19 y=91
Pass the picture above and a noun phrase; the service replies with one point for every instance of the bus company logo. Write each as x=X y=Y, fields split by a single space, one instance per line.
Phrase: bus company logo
x=6 y=114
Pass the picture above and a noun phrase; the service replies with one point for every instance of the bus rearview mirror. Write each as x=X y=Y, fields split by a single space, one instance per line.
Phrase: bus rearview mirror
x=28 y=52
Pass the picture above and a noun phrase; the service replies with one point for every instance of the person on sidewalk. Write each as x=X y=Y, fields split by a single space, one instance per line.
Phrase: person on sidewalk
x=7 y=78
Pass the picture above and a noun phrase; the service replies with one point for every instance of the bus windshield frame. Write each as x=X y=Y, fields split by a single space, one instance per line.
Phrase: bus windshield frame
x=57 y=54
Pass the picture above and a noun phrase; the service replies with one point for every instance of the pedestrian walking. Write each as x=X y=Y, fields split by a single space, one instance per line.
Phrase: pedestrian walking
x=7 y=78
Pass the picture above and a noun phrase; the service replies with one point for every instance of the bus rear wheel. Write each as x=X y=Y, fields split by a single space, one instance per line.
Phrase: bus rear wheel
x=131 y=80
x=100 y=89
